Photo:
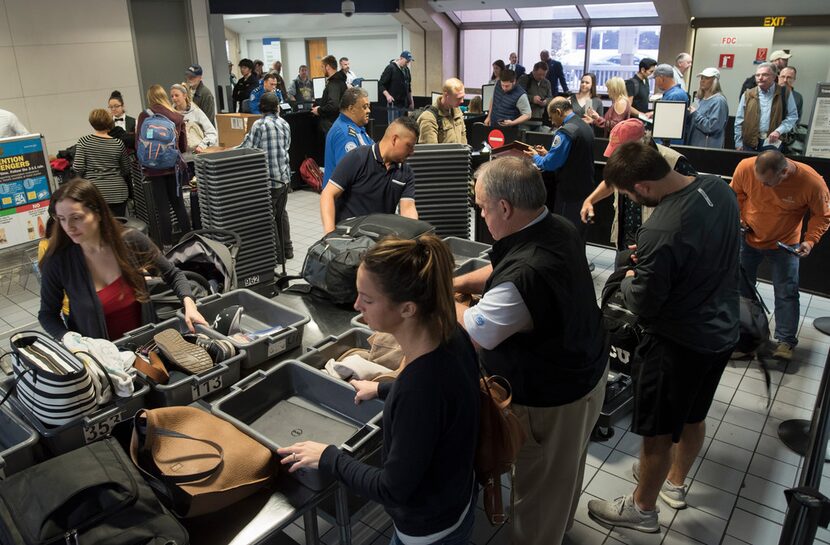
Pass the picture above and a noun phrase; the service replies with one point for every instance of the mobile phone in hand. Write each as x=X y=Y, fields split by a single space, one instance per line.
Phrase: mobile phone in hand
x=792 y=249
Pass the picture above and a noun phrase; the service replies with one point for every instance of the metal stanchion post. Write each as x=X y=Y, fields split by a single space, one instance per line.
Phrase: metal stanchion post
x=341 y=507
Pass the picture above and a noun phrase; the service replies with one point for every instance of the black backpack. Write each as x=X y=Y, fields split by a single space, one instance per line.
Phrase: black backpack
x=90 y=495
x=439 y=119
x=753 y=317
x=331 y=263
x=624 y=329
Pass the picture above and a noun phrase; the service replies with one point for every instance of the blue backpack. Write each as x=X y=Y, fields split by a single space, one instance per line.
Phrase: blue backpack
x=157 y=142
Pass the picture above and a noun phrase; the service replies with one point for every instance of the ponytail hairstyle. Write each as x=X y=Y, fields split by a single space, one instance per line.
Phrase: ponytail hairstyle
x=90 y=197
x=156 y=95
x=420 y=271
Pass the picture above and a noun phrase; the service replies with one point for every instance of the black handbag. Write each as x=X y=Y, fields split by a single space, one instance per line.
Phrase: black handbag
x=90 y=495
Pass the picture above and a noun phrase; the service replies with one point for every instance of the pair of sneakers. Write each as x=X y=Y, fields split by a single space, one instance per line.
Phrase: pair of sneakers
x=624 y=512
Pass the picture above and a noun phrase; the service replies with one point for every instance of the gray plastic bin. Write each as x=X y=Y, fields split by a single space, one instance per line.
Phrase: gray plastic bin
x=333 y=346
x=183 y=388
x=470 y=265
x=259 y=313
x=93 y=427
x=462 y=248
x=292 y=402
x=18 y=442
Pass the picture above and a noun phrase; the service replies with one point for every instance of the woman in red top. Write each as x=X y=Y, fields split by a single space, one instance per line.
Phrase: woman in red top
x=620 y=109
x=166 y=190
x=101 y=265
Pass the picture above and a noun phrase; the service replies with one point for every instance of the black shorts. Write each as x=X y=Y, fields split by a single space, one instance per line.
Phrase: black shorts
x=673 y=386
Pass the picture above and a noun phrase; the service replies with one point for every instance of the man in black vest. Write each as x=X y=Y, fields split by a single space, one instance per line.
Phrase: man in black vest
x=571 y=158
x=539 y=326
x=510 y=106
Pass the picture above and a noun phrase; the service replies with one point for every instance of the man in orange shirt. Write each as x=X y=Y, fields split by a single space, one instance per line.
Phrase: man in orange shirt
x=774 y=194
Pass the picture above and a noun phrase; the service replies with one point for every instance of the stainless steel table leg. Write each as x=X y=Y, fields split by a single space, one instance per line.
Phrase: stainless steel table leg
x=312 y=534
x=341 y=507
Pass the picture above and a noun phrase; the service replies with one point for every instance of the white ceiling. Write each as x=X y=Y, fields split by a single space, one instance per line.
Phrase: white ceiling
x=719 y=8
x=311 y=24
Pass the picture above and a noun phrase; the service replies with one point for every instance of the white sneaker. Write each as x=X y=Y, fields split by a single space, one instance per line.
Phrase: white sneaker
x=673 y=495
x=623 y=512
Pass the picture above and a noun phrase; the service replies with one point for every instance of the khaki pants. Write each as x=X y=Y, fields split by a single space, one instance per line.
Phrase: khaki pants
x=550 y=467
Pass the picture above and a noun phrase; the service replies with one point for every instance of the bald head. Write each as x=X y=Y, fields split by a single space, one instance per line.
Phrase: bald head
x=558 y=109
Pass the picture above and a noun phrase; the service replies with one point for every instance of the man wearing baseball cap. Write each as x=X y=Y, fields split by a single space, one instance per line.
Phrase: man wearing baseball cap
x=202 y=96
x=629 y=215
x=396 y=85
x=779 y=58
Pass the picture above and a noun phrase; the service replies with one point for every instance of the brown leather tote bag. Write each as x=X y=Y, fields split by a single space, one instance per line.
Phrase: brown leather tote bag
x=500 y=438
x=197 y=462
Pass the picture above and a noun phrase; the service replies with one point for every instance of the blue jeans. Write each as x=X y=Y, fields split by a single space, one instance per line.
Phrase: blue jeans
x=393 y=113
x=785 y=284
x=461 y=535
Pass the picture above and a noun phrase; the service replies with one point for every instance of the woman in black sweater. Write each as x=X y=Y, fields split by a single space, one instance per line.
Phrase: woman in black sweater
x=100 y=265
x=430 y=418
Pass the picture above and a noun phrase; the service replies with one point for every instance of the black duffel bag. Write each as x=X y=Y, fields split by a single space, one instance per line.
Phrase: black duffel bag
x=331 y=263
x=90 y=495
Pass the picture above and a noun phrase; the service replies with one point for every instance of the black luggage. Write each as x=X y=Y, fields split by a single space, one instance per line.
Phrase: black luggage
x=624 y=334
x=331 y=263
x=90 y=495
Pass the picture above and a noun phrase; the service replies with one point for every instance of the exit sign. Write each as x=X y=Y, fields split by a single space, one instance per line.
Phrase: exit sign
x=774 y=21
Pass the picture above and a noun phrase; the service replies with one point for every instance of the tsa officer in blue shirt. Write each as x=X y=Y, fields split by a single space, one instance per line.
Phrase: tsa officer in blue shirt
x=347 y=132
x=267 y=85
x=571 y=158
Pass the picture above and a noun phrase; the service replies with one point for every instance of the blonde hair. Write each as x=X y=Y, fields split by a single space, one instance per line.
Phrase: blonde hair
x=453 y=85
x=616 y=88
x=156 y=95
x=182 y=88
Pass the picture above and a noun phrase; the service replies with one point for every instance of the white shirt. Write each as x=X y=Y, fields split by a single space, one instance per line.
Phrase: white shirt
x=678 y=78
x=121 y=121
x=350 y=77
x=10 y=125
x=501 y=312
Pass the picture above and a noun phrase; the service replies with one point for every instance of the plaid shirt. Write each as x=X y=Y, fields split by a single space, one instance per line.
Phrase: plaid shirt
x=272 y=135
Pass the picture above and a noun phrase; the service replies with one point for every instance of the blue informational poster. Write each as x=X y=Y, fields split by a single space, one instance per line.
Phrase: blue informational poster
x=25 y=189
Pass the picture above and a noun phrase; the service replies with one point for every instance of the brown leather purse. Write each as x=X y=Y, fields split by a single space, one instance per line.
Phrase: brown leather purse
x=500 y=438
x=197 y=462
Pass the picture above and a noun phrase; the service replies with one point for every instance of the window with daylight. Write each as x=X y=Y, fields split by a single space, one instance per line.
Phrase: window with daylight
x=617 y=51
x=615 y=11
x=566 y=45
x=480 y=48
x=551 y=13
x=482 y=16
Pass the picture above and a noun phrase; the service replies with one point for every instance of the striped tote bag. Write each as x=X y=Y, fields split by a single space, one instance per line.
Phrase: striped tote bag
x=50 y=381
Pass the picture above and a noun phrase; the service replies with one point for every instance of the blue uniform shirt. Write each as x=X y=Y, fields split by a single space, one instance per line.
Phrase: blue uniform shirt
x=256 y=95
x=344 y=136
x=558 y=153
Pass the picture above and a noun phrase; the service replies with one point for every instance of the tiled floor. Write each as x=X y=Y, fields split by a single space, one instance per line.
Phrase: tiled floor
x=736 y=493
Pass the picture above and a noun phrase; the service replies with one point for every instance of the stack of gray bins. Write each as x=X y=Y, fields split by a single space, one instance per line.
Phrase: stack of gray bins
x=442 y=177
x=233 y=195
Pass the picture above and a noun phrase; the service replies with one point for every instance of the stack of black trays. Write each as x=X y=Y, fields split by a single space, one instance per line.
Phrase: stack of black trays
x=442 y=176
x=144 y=204
x=233 y=195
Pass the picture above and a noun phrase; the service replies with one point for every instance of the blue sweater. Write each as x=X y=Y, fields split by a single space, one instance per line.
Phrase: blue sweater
x=707 y=123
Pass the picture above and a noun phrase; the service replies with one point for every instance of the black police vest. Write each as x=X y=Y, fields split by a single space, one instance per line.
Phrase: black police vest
x=575 y=180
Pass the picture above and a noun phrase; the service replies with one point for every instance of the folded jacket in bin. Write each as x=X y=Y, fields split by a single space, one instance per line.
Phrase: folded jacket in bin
x=292 y=402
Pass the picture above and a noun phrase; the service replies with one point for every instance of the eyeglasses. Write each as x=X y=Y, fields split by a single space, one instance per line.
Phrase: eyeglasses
x=115 y=107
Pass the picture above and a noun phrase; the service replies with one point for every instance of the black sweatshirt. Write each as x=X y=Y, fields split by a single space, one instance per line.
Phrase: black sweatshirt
x=685 y=286
x=66 y=271
x=430 y=430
